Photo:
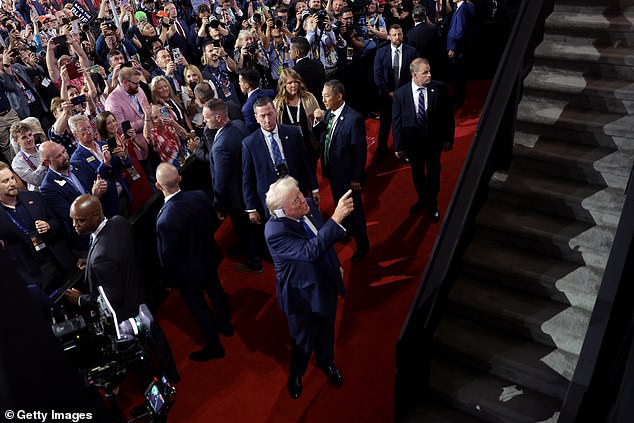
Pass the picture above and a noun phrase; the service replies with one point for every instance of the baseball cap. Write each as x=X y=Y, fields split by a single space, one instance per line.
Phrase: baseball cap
x=161 y=14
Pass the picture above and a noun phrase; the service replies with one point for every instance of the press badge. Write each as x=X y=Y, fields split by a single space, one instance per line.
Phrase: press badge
x=38 y=244
x=134 y=174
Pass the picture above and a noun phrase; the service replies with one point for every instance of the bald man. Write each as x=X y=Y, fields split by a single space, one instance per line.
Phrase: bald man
x=190 y=258
x=113 y=263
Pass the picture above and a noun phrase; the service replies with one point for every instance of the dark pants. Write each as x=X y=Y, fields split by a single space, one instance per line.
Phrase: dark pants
x=385 y=123
x=194 y=298
x=247 y=235
x=458 y=78
x=355 y=222
x=311 y=331
x=426 y=175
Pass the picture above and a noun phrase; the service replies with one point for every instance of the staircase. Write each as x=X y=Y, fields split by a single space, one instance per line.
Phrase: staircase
x=507 y=347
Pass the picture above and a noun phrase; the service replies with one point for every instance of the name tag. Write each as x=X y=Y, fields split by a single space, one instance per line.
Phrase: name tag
x=90 y=159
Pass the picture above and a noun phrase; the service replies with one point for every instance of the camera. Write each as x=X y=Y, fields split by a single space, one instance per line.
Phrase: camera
x=281 y=170
x=255 y=19
x=400 y=9
x=252 y=48
x=214 y=23
x=279 y=23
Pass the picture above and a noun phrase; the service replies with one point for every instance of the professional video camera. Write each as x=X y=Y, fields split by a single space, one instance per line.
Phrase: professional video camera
x=101 y=348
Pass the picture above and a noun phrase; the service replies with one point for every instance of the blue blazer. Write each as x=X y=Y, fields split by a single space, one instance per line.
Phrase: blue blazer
x=383 y=74
x=258 y=172
x=185 y=239
x=406 y=131
x=348 y=148
x=247 y=109
x=460 y=35
x=225 y=162
x=110 y=200
x=307 y=268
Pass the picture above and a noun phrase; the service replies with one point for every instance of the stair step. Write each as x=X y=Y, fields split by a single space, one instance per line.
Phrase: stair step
x=578 y=162
x=540 y=368
x=588 y=29
x=554 y=279
x=577 y=90
x=488 y=397
x=588 y=203
x=429 y=412
x=588 y=123
x=578 y=242
x=544 y=321
x=574 y=18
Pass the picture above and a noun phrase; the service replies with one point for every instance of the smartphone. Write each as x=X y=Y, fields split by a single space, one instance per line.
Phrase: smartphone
x=60 y=40
x=75 y=26
x=73 y=72
x=125 y=127
x=165 y=113
x=124 y=3
x=112 y=144
x=93 y=69
x=176 y=52
x=80 y=99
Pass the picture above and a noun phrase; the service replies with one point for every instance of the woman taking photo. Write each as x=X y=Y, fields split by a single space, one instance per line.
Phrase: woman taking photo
x=163 y=95
x=139 y=186
x=295 y=105
x=165 y=136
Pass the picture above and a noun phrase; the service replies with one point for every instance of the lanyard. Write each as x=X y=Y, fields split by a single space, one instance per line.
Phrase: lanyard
x=288 y=111
x=18 y=224
x=28 y=161
x=283 y=57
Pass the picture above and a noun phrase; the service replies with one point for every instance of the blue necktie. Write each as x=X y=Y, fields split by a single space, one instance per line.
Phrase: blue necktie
x=275 y=149
x=421 y=116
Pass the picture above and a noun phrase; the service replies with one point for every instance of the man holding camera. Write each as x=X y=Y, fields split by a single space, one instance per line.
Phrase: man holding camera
x=172 y=69
x=218 y=64
x=347 y=29
x=277 y=45
x=321 y=38
x=111 y=38
x=179 y=36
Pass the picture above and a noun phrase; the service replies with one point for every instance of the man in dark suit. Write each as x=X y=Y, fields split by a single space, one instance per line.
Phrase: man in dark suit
x=63 y=183
x=311 y=70
x=390 y=72
x=180 y=35
x=113 y=263
x=423 y=127
x=425 y=38
x=459 y=47
x=344 y=156
x=190 y=258
x=309 y=276
x=33 y=237
x=264 y=161
x=249 y=81
x=226 y=170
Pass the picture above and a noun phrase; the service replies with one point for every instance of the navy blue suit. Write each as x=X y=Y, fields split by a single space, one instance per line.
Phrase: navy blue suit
x=258 y=171
x=460 y=41
x=385 y=82
x=308 y=281
x=247 y=109
x=190 y=258
x=423 y=144
x=347 y=157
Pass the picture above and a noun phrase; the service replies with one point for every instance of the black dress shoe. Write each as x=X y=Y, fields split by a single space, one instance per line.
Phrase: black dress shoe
x=359 y=254
x=207 y=353
x=434 y=214
x=333 y=374
x=295 y=386
x=417 y=207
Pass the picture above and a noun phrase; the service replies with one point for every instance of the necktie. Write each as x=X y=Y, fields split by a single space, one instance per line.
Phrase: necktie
x=421 y=116
x=331 y=121
x=179 y=29
x=396 y=68
x=275 y=149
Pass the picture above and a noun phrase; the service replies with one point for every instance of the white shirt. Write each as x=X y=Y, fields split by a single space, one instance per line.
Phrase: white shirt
x=167 y=197
x=96 y=232
x=276 y=136
x=400 y=55
x=336 y=113
x=415 y=95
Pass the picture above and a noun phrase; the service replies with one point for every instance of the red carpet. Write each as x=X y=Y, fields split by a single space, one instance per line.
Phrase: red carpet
x=249 y=384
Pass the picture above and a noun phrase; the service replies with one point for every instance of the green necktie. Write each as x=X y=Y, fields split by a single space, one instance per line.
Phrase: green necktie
x=331 y=121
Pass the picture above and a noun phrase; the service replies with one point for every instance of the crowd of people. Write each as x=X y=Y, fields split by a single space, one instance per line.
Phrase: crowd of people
x=102 y=102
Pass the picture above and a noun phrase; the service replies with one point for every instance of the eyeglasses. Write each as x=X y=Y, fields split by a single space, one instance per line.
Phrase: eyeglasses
x=136 y=84
x=292 y=82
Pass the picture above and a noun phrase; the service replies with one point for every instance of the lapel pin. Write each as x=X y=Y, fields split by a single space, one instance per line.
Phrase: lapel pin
x=60 y=182
x=31 y=202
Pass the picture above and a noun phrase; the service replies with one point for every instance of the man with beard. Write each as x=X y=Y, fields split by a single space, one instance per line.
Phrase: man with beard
x=218 y=64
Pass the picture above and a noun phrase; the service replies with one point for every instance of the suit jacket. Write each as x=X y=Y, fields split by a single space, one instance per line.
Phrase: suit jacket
x=426 y=39
x=122 y=107
x=60 y=195
x=226 y=166
x=18 y=245
x=185 y=239
x=247 y=109
x=348 y=148
x=113 y=263
x=307 y=267
x=110 y=199
x=258 y=172
x=460 y=35
x=187 y=43
x=408 y=134
x=313 y=74
x=383 y=73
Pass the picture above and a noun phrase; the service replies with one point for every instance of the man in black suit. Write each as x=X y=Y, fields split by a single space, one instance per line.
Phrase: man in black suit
x=190 y=258
x=423 y=127
x=33 y=237
x=344 y=147
x=390 y=72
x=425 y=38
x=113 y=263
x=311 y=70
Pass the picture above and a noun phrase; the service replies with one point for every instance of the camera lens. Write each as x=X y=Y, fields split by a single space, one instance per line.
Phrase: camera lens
x=279 y=23
x=257 y=17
